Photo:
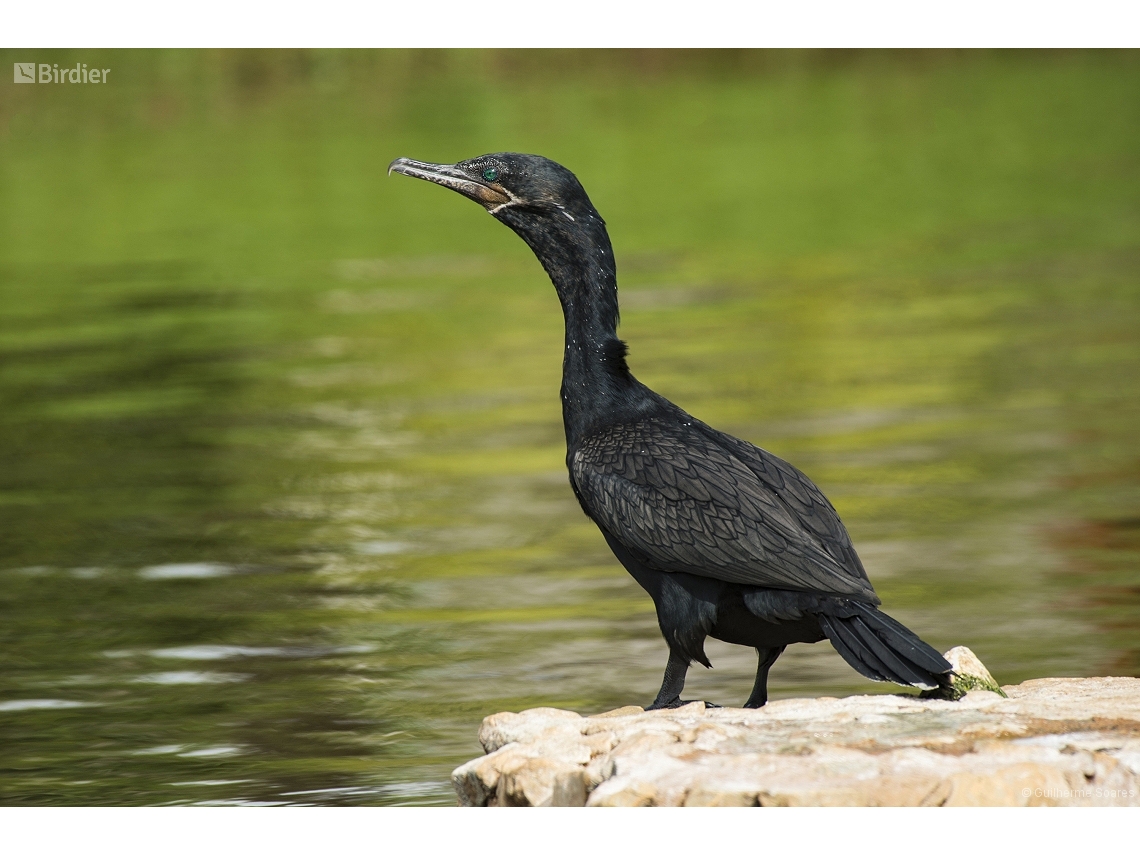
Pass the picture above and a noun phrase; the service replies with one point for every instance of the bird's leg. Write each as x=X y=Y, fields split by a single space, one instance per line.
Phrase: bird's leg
x=672 y=683
x=759 y=696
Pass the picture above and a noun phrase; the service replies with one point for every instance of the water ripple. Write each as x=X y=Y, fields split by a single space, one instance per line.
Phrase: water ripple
x=42 y=704
x=202 y=570
x=186 y=678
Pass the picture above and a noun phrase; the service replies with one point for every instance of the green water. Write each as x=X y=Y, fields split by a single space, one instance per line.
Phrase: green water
x=283 y=509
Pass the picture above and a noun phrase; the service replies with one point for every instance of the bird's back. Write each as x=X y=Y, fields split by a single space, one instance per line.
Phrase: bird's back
x=684 y=497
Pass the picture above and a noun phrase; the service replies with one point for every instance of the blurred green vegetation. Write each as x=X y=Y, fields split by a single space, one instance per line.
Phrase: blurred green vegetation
x=230 y=342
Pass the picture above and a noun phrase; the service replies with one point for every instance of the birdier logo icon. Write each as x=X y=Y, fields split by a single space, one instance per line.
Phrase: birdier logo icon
x=24 y=72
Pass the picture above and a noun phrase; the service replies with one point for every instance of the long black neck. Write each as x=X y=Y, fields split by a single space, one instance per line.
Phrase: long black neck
x=597 y=388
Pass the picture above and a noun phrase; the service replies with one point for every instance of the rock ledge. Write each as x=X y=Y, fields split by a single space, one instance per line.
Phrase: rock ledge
x=1050 y=742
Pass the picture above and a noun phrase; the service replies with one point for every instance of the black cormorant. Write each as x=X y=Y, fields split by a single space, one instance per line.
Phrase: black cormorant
x=728 y=539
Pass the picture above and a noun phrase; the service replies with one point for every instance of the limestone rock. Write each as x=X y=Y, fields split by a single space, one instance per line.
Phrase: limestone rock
x=1044 y=742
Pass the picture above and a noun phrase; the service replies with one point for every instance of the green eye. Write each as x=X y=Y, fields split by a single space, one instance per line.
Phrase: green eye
x=490 y=174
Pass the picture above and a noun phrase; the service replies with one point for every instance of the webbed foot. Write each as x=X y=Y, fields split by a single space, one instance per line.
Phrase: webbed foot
x=679 y=702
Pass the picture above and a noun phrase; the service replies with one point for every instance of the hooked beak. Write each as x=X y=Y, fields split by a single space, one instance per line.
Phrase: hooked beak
x=487 y=195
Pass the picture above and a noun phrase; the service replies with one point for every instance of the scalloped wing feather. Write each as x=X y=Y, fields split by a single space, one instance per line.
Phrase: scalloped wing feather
x=686 y=498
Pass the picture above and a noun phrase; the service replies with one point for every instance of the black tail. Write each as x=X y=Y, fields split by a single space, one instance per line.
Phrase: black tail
x=879 y=647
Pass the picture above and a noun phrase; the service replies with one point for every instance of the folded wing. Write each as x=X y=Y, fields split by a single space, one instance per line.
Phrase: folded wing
x=685 y=498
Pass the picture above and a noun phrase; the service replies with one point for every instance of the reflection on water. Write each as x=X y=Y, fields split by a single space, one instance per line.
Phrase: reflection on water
x=40 y=704
x=182 y=678
x=282 y=491
x=200 y=570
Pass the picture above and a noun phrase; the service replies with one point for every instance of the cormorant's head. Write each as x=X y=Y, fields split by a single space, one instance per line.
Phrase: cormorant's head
x=507 y=181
